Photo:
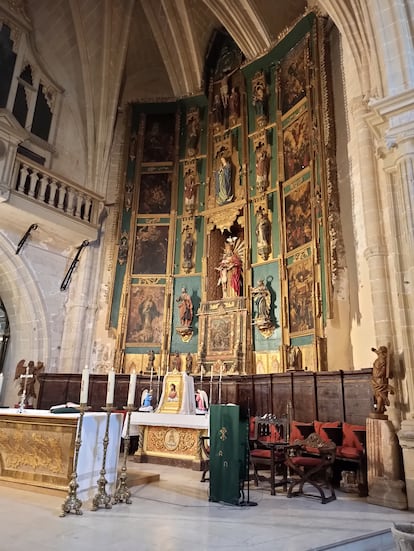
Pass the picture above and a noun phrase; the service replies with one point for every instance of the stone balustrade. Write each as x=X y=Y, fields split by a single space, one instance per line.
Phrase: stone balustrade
x=55 y=192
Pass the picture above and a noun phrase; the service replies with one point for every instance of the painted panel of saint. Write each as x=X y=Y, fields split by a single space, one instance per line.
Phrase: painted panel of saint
x=301 y=307
x=155 y=194
x=298 y=217
x=159 y=139
x=145 y=316
x=219 y=335
x=296 y=146
x=293 y=77
x=151 y=245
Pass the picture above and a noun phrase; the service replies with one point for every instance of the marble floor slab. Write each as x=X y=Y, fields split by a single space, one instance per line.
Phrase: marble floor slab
x=174 y=514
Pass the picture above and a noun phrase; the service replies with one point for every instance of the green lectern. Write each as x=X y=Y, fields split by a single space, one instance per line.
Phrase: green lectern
x=228 y=451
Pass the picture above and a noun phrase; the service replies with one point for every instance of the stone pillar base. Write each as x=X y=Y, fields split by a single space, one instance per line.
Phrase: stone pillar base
x=388 y=493
x=406 y=438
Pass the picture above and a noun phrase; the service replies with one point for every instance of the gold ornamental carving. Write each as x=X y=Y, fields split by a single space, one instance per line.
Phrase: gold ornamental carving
x=37 y=451
x=170 y=440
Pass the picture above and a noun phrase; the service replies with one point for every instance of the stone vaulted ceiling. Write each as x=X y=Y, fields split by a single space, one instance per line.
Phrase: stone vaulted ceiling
x=107 y=53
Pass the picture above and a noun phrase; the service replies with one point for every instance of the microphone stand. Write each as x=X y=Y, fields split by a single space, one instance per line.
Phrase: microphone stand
x=247 y=502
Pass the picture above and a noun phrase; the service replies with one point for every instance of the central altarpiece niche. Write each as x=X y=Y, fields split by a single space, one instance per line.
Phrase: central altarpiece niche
x=227 y=244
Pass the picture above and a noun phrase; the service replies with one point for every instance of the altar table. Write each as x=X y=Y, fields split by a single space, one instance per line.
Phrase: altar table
x=169 y=438
x=37 y=449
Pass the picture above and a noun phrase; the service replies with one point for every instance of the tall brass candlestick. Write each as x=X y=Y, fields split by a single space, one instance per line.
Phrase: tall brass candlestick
x=72 y=503
x=122 y=493
x=102 y=498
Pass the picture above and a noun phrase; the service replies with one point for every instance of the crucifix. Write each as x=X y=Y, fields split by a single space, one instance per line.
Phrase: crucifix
x=24 y=378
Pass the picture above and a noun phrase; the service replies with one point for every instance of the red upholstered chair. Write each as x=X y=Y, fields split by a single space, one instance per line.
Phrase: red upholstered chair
x=267 y=450
x=312 y=470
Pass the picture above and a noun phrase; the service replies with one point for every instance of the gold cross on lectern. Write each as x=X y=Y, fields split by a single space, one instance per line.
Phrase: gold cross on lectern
x=24 y=377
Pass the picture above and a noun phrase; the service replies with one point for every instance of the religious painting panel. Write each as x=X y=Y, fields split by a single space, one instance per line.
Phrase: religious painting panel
x=159 y=139
x=151 y=248
x=155 y=194
x=220 y=335
x=145 y=316
x=298 y=215
x=293 y=76
x=301 y=304
x=296 y=145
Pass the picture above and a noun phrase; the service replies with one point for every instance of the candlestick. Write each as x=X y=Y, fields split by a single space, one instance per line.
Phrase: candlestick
x=132 y=388
x=84 y=386
x=102 y=498
x=72 y=503
x=122 y=492
x=111 y=387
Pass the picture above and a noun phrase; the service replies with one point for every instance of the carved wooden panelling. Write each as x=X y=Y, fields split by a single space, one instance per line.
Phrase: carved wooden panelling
x=329 y=397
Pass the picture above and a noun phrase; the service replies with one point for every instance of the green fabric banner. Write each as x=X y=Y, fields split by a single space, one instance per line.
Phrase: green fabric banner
x=228 y=450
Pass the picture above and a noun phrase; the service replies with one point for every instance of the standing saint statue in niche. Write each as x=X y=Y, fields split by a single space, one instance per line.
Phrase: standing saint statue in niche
x=234 y=105
x=263 y=233
x=193 y=135
x=188 y=248
x=190 y=186
x=223 y=179
x=262 y=299
x=261 y=295
x=262 y=170
x=185 y=308
x=230 y=269
x=185 y=312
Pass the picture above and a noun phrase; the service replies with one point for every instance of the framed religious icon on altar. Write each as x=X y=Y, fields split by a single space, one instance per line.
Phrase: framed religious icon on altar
x=145 y=315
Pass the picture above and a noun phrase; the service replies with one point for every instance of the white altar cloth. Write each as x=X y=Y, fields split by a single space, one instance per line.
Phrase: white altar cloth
x=91 y=449
x=176 y=420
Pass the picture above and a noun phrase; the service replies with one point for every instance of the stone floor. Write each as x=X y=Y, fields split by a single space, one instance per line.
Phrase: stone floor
x=174 y=514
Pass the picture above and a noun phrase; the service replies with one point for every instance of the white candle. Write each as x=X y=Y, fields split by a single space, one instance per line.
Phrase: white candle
x=221 y=373
x=211 y=376
x=111 y=387
x=201 y=373
x=1 y=381
x=84 y=386
x=131 y=390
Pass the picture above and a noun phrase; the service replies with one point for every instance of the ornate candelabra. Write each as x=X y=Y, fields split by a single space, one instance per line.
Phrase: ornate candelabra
x=72 y=503
x=102 y=498
x=122 y=493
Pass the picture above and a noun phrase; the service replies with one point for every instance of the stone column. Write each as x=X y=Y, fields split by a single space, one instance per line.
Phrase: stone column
x=406 y=438
x=385 y=485
x=393 y=124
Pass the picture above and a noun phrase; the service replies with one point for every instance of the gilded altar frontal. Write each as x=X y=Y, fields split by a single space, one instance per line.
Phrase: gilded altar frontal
x=226 y=251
